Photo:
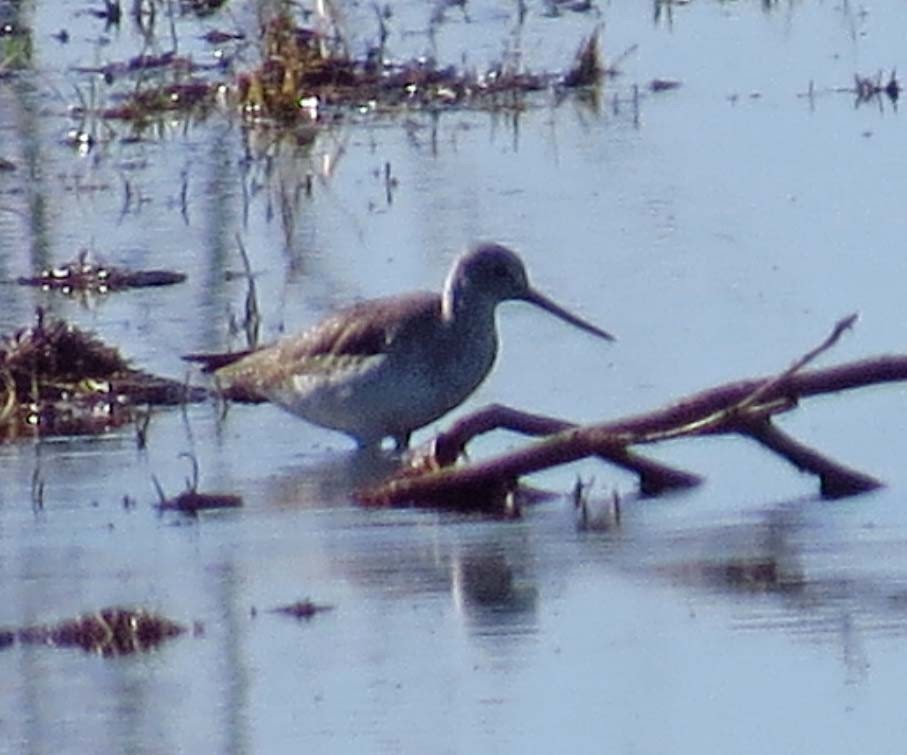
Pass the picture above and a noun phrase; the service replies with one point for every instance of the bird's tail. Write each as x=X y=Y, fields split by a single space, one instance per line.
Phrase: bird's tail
x=213 y=362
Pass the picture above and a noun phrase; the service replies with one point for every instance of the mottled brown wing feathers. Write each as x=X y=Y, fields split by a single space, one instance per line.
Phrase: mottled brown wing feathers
x=362 y=330
x=365 y=329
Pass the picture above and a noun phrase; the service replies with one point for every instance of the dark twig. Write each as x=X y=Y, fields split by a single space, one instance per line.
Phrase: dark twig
x=725 y=418
x=844 y=324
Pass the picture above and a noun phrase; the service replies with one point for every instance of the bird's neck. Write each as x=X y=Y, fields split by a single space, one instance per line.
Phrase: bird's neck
x=470 y=336
x=465 y=308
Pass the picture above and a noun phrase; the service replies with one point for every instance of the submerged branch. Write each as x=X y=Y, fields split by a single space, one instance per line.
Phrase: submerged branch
x=655 y=477
x=743 y=408
x=835 y=480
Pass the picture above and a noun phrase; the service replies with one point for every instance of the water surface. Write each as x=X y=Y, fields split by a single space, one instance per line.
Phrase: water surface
x=720 y=230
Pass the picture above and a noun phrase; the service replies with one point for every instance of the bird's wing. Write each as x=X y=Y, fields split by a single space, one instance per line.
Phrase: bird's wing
x=347 y=339
x=365 y=329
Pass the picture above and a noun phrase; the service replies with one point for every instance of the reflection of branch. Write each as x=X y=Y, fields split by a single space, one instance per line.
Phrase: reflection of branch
x=742 y=408
x=251 y=322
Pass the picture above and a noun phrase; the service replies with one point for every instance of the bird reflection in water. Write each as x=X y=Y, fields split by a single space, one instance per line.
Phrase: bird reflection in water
x=487 y=591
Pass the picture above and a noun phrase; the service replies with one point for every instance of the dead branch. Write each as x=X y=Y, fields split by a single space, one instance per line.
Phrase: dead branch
x=655 y=477
x=744 y=408
x=835 y=480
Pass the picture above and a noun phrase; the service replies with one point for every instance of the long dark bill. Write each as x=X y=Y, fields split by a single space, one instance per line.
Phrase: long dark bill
x=540 y=300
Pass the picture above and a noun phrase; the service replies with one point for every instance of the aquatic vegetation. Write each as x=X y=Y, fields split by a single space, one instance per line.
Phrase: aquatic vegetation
x=16 y=47
x=56 y=379
x=302 y=609
x=113 y=631
x=190 y=501
x=868 y=88
x=82 y=275
x=303 y=71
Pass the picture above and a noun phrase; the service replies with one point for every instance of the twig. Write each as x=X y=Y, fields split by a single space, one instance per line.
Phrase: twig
x=191 y=485
x=845 y=323
x=770 y=385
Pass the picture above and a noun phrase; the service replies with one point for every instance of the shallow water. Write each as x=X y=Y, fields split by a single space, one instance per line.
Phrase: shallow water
x=719 y=231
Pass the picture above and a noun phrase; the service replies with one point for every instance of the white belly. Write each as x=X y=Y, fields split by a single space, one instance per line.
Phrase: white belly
x=385 y=395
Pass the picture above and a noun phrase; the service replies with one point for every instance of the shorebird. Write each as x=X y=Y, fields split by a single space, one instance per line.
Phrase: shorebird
x=386 y=367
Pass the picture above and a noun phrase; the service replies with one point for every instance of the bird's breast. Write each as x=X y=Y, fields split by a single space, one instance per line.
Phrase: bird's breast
x=457 y=364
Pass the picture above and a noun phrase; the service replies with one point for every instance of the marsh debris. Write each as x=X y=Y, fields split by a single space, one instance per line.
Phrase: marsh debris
x=186 y=91
x=56 y=379
x=195 y=96
x=301 y=609
x=111 y=13
x=201 y=8
x=556 y=8
x=84 y=275
x=868 y=88
x=220 y=37
x=138 y=64
x=13 y=29
x=304 y=72
x=190 y=501
x=110 y=632
x=587 y=69
x=663 y=85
